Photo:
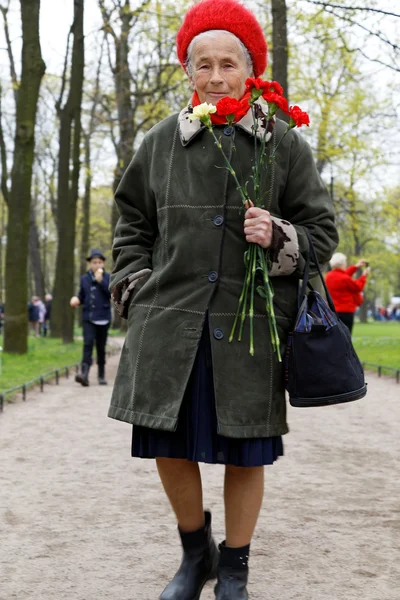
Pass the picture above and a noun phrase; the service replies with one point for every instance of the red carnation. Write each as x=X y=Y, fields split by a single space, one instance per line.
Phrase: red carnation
x=298 y=117
x=276 y=87
x=256 y=87
x=231 y=108
x=278 y=101
x=256 y=83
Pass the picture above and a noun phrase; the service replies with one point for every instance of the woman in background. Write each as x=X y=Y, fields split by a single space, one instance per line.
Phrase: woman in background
x=346 y=292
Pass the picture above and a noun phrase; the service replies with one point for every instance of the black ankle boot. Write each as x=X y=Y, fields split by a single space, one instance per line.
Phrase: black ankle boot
x=199 y=564
x=83 y=377
x=101 y=377
x=232 y=573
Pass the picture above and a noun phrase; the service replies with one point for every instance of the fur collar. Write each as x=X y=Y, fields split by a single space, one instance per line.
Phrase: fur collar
x=189 y=129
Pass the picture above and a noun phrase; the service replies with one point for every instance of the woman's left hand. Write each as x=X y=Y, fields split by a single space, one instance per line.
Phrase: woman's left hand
x=258 y=227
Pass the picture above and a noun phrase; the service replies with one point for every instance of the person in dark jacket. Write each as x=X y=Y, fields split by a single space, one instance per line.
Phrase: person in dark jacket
x=95 y=299
x=33 y=315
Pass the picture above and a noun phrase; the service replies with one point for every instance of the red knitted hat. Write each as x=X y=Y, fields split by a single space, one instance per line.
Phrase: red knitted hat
x=227 y=15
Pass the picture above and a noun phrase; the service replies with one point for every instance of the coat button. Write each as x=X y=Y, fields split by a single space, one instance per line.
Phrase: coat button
x=228 y=130
x=212 y=276
x=218 y=220
x=218 y=334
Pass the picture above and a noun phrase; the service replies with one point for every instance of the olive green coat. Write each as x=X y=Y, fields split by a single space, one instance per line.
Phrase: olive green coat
x=178 y=252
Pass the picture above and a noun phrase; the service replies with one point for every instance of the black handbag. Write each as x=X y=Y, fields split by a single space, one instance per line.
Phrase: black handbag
x=321 y=365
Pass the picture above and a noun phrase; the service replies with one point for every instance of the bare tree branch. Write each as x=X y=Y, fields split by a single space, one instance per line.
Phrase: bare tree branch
x=361 y=8
x=377 y=34
x=112 y=67
x=393 y=66
x=110 y=120
x=64 y=75
x=107 y=18
x=13 y=72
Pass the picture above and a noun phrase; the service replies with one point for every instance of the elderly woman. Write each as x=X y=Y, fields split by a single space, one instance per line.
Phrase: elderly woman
x=192 y=396
x=346 y=292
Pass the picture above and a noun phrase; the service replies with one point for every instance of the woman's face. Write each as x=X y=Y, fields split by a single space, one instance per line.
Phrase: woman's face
x=219 y=69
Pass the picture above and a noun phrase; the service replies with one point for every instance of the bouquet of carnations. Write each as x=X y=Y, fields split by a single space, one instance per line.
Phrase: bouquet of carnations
x=256 y=258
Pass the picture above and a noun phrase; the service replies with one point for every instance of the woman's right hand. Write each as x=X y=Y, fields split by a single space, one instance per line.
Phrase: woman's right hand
x=367 y=271
x=361 y=263
x=74 y=302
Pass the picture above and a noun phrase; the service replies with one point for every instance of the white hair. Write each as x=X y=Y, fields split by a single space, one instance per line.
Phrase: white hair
x=338 y=260
x=212 y=34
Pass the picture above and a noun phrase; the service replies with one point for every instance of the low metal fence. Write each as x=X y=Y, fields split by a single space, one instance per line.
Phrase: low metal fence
x=382 y=370
x=54 y=374
x=41 y=380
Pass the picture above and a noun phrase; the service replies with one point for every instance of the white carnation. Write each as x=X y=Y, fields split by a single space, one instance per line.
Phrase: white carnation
x=201 y=111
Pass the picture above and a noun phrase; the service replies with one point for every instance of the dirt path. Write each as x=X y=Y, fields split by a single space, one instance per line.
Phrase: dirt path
x=81 y=520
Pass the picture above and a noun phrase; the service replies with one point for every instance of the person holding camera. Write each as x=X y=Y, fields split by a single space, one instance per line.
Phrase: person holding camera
x=346 y=292
x=95 y=298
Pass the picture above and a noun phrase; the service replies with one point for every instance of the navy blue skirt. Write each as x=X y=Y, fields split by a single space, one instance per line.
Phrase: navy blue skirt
x=196 y=437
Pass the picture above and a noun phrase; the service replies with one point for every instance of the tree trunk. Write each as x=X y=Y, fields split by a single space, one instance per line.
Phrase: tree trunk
x=3 y=156
x=123 y=92
x=122 y=80
x=67 y=196
x=33 y=68
x=280 y=51
x=5 y=194
x=123 y=89
x=2 y=234
x=116 y=321
x=86 y=208
x=323 y=137
x=88 y=170
x=34 y=255
x=364 y=312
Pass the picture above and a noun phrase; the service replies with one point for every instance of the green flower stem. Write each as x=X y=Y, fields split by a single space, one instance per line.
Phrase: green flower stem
x=279 y=143
x=238 y=311
x=251 y=311
x=270 y=304
x=256 y=171
x=246 y=292
x=245 y=197
x=264 y=143
x=255 y=255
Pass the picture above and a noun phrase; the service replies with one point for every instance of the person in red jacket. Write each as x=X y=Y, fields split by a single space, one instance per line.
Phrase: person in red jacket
x=346 y=292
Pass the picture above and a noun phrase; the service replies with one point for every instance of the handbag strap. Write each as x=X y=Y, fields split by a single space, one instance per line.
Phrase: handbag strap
x=313 y=255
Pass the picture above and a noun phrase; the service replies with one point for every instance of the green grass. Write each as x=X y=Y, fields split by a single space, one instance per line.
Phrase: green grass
x=378 y=342
x=44 y=354
x=375 y=343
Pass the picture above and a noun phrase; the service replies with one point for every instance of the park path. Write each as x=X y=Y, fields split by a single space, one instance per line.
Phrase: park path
x=81 y=520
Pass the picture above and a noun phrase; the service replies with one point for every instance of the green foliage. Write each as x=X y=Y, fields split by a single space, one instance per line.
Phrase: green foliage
x=378 y=343
x=326 y=76
x=348 y=125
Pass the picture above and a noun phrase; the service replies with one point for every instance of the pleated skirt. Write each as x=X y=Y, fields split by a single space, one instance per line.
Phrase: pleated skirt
x=196 y=437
